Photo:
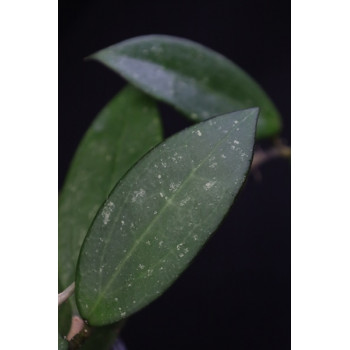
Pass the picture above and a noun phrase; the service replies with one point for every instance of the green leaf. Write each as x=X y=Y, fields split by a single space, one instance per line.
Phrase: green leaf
x=62 y=343
x=64 y=318
x=101 y=338
x=194 y=79
x=123 y=131
x=160 y=214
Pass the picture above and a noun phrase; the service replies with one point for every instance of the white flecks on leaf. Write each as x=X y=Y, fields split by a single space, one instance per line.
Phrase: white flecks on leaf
x=138 y=194
x=178 y=247
x=209 y=185
x=184 y=201
x=107 y=211
x=174 y=186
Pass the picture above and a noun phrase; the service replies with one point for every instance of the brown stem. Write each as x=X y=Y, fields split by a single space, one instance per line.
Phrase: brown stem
x=263 y=156
x=62 y=297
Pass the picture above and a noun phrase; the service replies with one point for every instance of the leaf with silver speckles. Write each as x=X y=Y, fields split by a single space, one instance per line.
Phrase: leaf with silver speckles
x=160 y=214
x=194 y=79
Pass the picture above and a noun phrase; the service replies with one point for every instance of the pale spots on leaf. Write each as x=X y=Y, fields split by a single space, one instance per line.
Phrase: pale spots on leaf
x=209 y=185
x=184 y=201
x=174 y=186
x=107 y=211
x=178 y=247
x=138 y=195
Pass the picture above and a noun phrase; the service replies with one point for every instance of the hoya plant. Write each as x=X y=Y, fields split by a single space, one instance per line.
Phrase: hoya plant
x=135 y=209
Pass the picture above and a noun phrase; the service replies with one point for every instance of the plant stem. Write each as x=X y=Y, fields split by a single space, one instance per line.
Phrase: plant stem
x=262 y=156
x=62 y=297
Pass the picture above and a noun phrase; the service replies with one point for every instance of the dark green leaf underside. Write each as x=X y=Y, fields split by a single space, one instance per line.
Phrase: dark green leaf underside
x=160 y=214
x=194 y=79
x=123 y=132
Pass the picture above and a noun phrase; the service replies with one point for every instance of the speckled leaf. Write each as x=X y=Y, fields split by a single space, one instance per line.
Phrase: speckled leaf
x=123 y=131
x=160 y=214
x=62 y=343
x=194 y=79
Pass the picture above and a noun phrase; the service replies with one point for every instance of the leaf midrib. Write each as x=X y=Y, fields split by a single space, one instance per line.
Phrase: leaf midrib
x=156 y=218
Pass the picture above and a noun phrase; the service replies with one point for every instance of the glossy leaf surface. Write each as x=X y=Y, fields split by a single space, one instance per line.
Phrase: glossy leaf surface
x=194 y=79
x=122 y=132
x=160 y=214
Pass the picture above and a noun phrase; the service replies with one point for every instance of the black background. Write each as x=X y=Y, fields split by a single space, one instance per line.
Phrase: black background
x=236 y=294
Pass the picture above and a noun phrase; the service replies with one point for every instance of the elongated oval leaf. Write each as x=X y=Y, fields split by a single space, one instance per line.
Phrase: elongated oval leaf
x=194 y=79
x=160 y=214
x=122 y=132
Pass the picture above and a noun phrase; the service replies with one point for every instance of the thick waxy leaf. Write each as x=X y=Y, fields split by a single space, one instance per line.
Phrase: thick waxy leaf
x=123 y=132
x=160 y=214
x=194 y=79
x=62 y=343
